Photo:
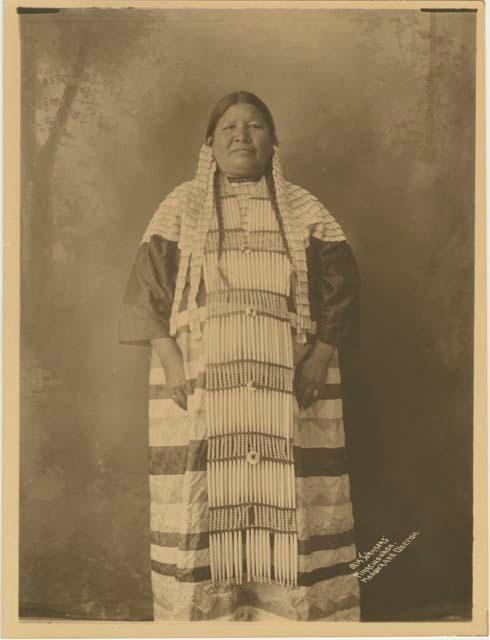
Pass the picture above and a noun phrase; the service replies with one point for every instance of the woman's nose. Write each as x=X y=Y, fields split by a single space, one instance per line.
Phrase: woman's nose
x=243 y=134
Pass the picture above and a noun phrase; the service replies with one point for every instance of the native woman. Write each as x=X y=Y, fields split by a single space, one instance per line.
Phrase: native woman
x=244 y=286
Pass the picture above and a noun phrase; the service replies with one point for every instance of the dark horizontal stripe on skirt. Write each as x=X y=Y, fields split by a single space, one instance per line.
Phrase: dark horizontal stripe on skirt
x=183 y=541
x=330 y=392
x=326 y=542
x=321 y=461
x=162 y=392
x=323 y=573
x=171 y=461
x=200 y=574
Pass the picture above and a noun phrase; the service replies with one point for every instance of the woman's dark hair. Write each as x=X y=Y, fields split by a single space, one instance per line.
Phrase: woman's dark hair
x=240 y=97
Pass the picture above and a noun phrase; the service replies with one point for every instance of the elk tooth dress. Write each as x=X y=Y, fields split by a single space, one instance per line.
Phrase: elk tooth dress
x=207 y=509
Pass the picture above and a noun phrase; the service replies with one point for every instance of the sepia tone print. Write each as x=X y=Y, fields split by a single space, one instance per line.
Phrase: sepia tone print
x=247 y=262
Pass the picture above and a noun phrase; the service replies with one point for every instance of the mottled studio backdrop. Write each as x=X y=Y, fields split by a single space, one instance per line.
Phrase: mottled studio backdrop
x=375 y=114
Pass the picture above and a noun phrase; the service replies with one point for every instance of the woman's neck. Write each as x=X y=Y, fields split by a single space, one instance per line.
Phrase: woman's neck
x=242 y=178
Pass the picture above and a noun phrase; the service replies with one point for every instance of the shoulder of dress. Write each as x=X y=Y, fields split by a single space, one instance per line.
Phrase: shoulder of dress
x=302 y=202
x=312 y=214
x=167 y=219
x=179 y=195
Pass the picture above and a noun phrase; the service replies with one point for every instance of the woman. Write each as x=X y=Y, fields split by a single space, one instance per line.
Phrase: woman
x=245 y=287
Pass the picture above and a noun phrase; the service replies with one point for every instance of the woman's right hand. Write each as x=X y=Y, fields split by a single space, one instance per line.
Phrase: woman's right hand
x=173 y=363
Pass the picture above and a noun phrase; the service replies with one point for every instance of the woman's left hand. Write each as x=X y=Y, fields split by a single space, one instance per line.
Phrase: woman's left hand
x=311 y=373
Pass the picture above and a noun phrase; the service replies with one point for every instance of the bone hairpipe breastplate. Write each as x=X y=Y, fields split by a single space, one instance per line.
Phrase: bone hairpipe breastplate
x=249 y=377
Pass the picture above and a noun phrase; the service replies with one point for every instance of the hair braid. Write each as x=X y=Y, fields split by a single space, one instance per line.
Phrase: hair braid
x=219 y=213
x=221 y=226
x=277 y=212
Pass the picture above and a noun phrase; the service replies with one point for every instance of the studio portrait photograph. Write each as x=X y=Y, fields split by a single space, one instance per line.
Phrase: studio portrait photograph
x=245 y=318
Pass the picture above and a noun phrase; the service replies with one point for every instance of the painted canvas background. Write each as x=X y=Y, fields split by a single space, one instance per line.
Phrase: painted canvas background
x=375 y=115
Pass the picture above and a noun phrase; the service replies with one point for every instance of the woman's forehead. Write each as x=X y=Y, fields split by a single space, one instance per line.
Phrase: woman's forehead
x=242 y=110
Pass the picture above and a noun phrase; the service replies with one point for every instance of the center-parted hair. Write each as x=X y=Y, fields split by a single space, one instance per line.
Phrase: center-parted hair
x=245 y=97
x=240 y=97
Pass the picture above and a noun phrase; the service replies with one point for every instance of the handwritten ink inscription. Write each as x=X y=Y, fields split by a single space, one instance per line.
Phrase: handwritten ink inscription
x=369 y=564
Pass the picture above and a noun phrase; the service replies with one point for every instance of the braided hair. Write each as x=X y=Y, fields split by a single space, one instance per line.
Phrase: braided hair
x=219 y=213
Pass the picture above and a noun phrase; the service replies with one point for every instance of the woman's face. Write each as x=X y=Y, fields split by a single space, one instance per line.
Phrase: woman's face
x=242 y=142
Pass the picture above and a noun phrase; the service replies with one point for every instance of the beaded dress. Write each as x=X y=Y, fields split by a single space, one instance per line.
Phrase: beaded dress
x=251 y=515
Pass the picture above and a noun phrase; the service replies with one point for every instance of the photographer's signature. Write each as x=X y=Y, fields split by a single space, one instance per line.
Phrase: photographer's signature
x=368 y=564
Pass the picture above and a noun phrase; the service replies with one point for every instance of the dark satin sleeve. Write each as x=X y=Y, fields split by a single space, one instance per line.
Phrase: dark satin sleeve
x=334 y=286
x=147 y=302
